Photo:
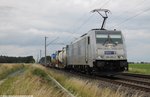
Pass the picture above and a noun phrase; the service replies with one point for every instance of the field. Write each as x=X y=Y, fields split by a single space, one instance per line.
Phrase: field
x=36 y=80
x=140 y=68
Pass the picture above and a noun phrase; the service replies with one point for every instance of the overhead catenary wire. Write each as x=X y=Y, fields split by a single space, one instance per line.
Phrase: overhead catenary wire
x=126 y=20
x=106 y=3
x=77 y=29
x=138 y=4
x=55 y=44
x=3 y=52
x=86 y=20
x=52 y=41
x=135 y=7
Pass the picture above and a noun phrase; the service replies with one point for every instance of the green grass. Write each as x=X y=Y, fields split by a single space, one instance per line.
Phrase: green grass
x=140 y=68
x=6 y=69
x=87 y=88
x=33 y=81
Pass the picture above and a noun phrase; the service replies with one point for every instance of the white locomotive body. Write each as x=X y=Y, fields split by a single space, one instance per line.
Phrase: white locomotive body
x=98 y=50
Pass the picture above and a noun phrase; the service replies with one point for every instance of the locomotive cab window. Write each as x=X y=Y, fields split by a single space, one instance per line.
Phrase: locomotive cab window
x=111 y=38
x=116 y=38
x=101 y=38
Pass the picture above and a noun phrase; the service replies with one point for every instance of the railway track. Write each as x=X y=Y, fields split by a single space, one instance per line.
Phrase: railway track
x=136 y=83
x=126 y=82
x=131 y=83
x=136 y=75
x=145 y=81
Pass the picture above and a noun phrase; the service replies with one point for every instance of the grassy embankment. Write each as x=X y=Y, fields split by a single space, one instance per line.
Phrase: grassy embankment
x=6 y=69
x=35 y=81
x=140 y=68
x=88 y=88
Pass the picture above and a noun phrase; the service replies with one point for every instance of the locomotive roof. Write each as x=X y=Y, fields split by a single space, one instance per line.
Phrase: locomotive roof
x=97 y=30
x=106 y=30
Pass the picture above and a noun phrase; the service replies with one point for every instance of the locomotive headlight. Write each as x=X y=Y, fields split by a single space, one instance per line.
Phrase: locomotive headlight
x=120 y=56
x=99 y=57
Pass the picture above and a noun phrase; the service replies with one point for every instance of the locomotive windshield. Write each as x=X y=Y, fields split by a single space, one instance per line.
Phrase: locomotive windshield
x=108 y=37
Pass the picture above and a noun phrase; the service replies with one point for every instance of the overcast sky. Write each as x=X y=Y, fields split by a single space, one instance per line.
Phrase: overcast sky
x=25 y=23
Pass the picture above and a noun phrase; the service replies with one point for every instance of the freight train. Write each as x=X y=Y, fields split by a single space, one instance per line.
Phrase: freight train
x=98 y=51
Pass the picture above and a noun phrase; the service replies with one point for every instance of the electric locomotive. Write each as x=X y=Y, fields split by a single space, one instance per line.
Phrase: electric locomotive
x=98 y=51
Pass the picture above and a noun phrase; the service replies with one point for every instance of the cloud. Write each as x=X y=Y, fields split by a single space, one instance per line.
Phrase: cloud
x=25 y=23
x=14 y=50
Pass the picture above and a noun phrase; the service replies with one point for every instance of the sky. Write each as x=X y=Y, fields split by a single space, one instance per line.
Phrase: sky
x=25 y=23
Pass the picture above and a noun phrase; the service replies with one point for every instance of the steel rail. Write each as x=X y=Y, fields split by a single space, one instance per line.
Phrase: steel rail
x=136 y=75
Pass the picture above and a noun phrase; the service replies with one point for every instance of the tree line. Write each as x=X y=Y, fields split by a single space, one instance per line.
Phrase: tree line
x=7 y=59
x=42 y=60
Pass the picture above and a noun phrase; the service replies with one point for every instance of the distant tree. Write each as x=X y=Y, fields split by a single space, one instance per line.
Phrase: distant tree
x=3 y=59
x=42 y=60
x=142 y=62
x=131 y=62
x=30 y=59
x=6 y=59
